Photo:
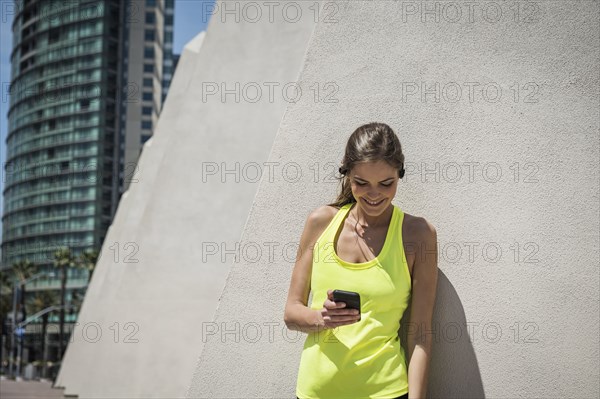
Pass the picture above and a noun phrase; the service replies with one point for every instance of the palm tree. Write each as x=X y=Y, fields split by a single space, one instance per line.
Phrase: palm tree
x=22 y=271
x=5 y=307
x=76 y=301
x=63 y=259
x=87 y=261
x=40 y=301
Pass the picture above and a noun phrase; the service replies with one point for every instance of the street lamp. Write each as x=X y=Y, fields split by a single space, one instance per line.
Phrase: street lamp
x=17 y=285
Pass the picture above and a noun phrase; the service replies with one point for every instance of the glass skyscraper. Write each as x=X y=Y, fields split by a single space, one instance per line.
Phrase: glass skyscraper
x=88 y=80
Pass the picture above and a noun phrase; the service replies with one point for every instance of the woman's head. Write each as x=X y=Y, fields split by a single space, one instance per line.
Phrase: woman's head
x=372 y=165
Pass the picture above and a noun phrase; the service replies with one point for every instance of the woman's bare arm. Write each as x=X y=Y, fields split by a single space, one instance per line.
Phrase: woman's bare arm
x=298 y=316
x=424 y=286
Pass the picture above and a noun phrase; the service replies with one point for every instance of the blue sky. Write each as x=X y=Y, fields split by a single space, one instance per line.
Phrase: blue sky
x=188 y=22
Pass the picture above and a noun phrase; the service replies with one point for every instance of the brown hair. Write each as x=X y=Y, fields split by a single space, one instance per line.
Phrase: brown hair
x=371 y=142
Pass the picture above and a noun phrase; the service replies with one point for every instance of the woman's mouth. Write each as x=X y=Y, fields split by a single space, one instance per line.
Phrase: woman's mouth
x=372 y=204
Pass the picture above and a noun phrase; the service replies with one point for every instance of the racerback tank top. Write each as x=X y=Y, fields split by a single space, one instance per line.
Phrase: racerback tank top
x=364 y=359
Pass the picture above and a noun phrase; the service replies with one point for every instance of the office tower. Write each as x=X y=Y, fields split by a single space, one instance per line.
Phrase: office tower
x=147 y=71
x=87 y=87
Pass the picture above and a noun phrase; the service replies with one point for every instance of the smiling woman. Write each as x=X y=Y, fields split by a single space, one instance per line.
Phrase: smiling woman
x=358 y=244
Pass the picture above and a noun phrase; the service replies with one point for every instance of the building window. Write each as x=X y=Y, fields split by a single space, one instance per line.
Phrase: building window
x=146 y=96
x=168 y=20
x=148 y=82
x=53 y=35
x=149 y=35
x=146 y=110
x=144 y=138
x=84 y=103
x=146 y=124
x=149 y=52
x=150 y=17
x=148 y=68
x=150 y=3
x=168 y=37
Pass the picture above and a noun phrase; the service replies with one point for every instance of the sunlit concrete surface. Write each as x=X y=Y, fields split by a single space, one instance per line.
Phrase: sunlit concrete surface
x=10 y=389
x=517 y=301
x=105 y=281
x=139 y=327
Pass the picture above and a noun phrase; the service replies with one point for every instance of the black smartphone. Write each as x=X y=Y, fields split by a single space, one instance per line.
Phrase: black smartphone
x=350 y=298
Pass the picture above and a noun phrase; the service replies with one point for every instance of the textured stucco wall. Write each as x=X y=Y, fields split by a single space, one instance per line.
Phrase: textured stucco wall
x=511 y=184
x=159 y=281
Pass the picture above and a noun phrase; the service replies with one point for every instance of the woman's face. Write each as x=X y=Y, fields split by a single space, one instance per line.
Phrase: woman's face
x=374 y=181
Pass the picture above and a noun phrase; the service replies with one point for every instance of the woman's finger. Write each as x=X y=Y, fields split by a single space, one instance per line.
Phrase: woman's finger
x=332 y=305
x=339 y=324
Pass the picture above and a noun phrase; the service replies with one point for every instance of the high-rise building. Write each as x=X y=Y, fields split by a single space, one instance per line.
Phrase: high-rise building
x=88 y=79
x=147 y=71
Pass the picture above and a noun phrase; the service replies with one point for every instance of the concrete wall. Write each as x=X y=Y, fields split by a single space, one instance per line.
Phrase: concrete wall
x=513 y=174
x=159 y=287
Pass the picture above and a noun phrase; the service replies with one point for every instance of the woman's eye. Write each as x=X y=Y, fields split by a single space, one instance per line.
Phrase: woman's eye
x=383 y=184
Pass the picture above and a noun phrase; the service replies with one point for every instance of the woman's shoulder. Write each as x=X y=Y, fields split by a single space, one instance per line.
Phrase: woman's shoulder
x=317 y=221
x=418 y=226
x=322 y=216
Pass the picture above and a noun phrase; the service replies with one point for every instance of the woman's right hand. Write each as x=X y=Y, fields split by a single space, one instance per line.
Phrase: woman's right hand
x=334 y=314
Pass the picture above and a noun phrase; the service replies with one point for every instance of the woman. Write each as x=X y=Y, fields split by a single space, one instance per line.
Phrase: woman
x=365 y=244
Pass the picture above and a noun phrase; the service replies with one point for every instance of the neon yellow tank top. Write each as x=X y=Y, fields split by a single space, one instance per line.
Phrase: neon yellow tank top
x=364 y=359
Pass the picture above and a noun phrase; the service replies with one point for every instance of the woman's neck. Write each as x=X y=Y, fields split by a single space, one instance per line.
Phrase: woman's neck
x=368 y=221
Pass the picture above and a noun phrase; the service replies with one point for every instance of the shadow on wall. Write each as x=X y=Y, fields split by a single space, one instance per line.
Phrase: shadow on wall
x=452 y=350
